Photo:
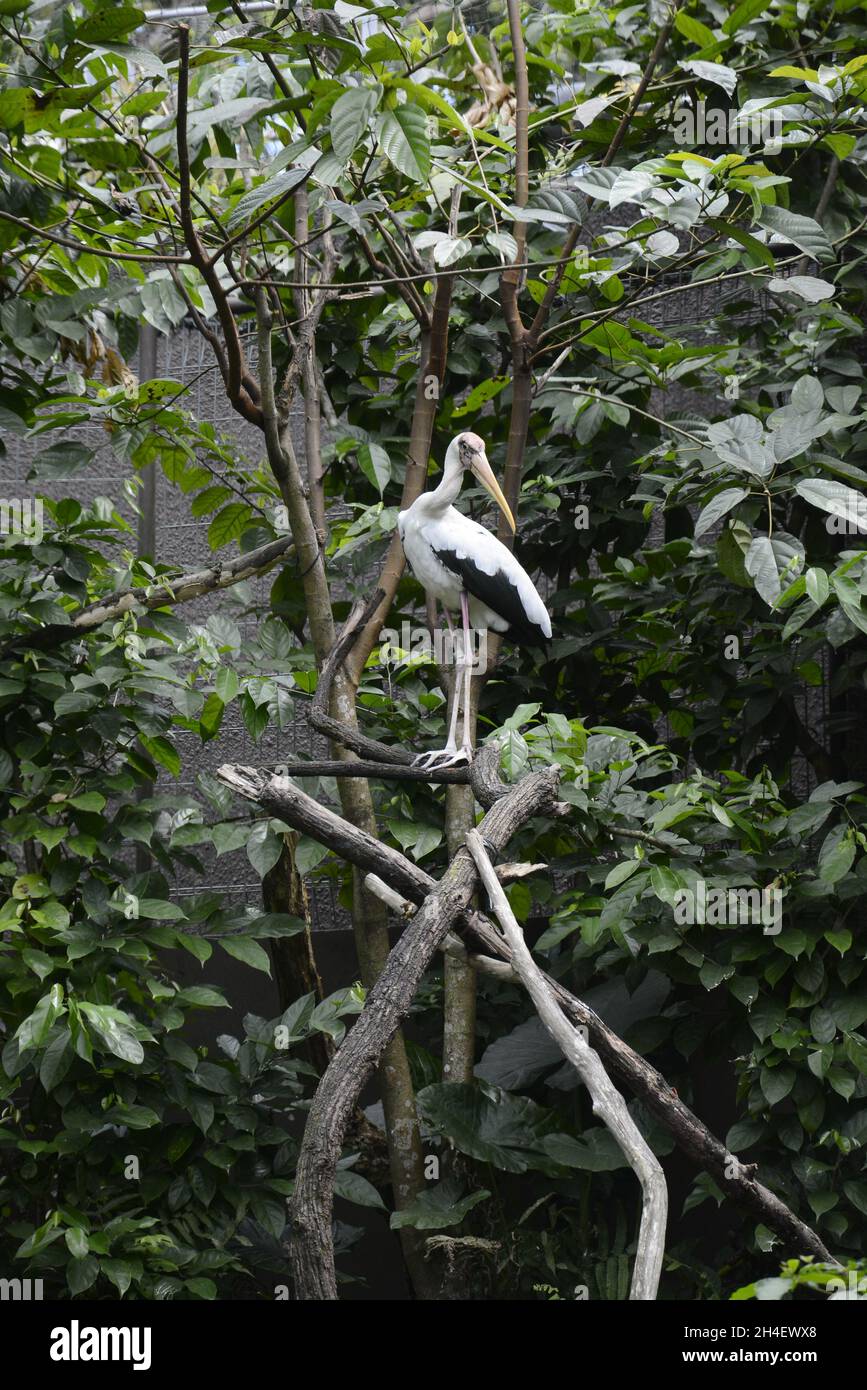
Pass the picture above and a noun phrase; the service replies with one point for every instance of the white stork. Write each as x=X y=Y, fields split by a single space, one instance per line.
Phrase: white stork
x=463 y=565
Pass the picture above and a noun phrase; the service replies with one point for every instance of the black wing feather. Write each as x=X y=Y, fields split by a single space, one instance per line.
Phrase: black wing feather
x=499 y=593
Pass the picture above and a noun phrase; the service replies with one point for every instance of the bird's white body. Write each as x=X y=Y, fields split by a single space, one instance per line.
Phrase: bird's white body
x=465 y=567
x=428 y=530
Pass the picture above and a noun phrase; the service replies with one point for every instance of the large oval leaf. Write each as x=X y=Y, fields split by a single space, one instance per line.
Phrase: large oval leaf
x=404 y=139
x=350 y=118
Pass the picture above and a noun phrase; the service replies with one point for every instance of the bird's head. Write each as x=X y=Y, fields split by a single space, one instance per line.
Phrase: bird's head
x=470 y=450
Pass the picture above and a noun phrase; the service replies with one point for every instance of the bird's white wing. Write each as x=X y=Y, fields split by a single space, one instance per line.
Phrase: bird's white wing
x=489 y=571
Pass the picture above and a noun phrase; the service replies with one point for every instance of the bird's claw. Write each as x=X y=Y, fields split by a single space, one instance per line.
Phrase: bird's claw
x=440 y=758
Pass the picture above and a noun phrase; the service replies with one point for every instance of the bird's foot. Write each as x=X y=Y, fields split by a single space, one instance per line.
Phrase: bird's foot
x=440 y=758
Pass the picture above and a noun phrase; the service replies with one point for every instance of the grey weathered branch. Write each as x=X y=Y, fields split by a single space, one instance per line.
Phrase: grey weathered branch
x=186 y=586
x=387 y=1004
x=608 y=1103
x=168 y=592
x=736 y=1179
x=395 y=772
x=452 y=946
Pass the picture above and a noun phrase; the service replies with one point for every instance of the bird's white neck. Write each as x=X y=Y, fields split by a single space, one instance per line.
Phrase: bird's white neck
x=451 y=481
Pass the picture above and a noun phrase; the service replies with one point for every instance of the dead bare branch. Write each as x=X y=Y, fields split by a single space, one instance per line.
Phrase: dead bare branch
x=738 y=1180
x=608 y=1103
x=387 y=1004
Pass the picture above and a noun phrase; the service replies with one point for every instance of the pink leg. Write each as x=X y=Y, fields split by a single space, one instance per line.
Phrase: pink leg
x=451 y=754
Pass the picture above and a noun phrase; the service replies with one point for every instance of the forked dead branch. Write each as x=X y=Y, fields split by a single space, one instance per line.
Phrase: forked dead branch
x=280 y=797
x=608 y=1103
x=387 y=1004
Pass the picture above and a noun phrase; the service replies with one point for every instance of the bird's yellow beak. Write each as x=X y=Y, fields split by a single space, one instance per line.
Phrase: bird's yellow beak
x=485 y=474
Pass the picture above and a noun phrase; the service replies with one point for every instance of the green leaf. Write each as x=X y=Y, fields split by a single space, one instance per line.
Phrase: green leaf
x=833 y=497
x=350 y=120
x=162 y=304
x=520 y=1057
x=842 y=145
x=353 y=1187
x=149 y=62
x=665 y=883
x=771 y=563
x=162 y=752
x=841 y=940
x=375 y=464
x=776 y=1083
x=233 y=113
x=114 y=1029
x=119 y=1272
x=76 y=1242
x=202 y=1288
x=404 y=140
x=849 y=1013
x=438 y=1207
x=597 y=1151
x=818 y=586
x=227 y=684
x=248 y=951
x=694 y=30
x=481 y=394
x=211 y=717
x=56 y=1060
x=757 y=249
x=81 y=1274
x=229 y=524
x=274 y=924
x=109 y=22
x=712 y=974
x=836 y=856
x=263 y=847
x=88 y=801
x=856 y=1192
x=490 y=1125
x=308 y=853
x=743 y=1134
x=215 y=1078
x=744 y=13
x=765 y=1017
x=203 y=997
x=622 y=871
x=804 y=232
x=718 y=507
x=61 y=460
x=717 y=73
x=160 y=910
x=450 y=250
x=271 y=190
x=806 y=287
x=41 y=964
x=34 y=1030
x=731 y=551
